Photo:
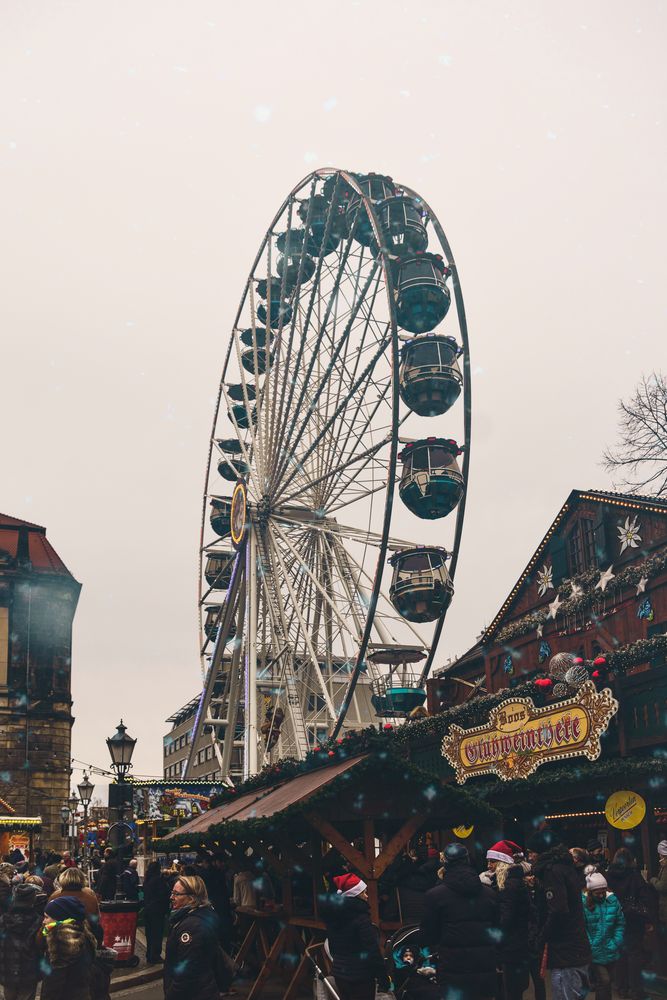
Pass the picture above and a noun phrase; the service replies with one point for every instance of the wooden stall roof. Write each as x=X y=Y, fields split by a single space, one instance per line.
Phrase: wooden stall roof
x=264 y=802
x=370 y=775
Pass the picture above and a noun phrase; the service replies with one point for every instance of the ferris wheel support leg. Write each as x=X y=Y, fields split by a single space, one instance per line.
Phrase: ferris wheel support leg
x=250 y=678
x=232 y=706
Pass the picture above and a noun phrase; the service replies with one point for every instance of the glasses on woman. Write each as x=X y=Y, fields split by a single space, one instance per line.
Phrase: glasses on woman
x=175 y=893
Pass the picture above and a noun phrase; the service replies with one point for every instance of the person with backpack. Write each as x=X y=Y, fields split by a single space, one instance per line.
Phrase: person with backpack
x=639 y=902
x=69 y=949
x=605 y=925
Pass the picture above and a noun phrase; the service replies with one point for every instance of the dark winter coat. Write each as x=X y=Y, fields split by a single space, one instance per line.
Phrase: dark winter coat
x=107 y=879
x=191 y=957
x=19 y=948
x=515 y=918
x=69 y=952
x=638 y=899
x=413 y=881
x=156 y=896
x=561 y=915
x=461 y=924
x=659 y=883
x=353 y=939
x=129 y=883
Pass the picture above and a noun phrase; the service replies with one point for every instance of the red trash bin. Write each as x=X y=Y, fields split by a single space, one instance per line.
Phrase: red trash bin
x=118 y=918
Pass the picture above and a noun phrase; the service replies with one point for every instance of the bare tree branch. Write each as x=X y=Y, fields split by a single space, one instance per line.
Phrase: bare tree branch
x=641 y=452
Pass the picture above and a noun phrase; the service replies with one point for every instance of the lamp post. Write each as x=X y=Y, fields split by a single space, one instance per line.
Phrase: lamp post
x=72 y=804
x=121 y=747
x=86 y=789
x=64 y=816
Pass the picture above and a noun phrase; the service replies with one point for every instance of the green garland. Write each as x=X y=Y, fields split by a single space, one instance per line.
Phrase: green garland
x=429 y=794
x=626 y=770
x=635 y=652
x=628 y=577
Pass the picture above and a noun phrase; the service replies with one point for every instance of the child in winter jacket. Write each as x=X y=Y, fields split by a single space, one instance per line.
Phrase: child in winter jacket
x=605 y=925
x=69 y=950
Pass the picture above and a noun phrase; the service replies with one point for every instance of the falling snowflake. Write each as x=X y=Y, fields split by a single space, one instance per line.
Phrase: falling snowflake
x=628 y=534
x=545 y=580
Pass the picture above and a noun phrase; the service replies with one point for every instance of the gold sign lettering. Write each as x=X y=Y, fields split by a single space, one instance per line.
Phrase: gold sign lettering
x=519 y=737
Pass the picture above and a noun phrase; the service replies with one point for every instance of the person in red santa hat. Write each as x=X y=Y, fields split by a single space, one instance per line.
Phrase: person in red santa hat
x=353 y=940
x=499 y=859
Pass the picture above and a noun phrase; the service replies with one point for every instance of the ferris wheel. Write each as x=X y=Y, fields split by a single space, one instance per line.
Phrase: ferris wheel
x=319 y=611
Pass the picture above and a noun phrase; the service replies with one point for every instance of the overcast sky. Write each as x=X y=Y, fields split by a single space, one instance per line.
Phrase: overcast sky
x=144 y=148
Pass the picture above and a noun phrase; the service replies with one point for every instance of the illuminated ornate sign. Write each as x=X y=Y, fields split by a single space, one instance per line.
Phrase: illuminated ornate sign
x=519 y=737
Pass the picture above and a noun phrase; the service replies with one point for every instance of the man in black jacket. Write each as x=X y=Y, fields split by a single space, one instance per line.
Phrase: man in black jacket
x=561 y=918
x=462 y=923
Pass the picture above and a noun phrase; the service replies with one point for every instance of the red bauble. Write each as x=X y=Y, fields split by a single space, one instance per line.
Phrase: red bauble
x=577 y=661
x=543 y=682
x=599 y=661
x=387 y=727
x=596 y=675
x=331 y=754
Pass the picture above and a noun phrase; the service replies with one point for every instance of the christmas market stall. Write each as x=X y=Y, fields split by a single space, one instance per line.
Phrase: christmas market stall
x=17 y=831
x=354 y=804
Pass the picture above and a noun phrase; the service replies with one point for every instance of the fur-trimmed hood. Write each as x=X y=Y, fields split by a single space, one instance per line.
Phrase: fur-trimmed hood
x=67 y=942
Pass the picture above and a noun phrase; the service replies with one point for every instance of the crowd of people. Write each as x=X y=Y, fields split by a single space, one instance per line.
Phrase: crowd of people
x=570 y=915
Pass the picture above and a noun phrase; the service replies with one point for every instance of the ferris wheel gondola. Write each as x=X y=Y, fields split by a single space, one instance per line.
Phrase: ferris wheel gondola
x=337 y=342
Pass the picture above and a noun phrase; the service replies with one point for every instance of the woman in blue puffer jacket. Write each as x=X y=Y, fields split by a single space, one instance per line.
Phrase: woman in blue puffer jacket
x=605 y=925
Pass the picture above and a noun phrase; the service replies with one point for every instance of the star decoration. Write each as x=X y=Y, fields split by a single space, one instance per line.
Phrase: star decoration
x=576 y=590
x=605 y=578
x=545 y=580
x=628 y=534
x=554 y=606
x=641 y=586
x=540 y=629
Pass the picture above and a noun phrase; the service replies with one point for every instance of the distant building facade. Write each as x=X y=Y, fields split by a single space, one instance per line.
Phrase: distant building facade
x=38 y=600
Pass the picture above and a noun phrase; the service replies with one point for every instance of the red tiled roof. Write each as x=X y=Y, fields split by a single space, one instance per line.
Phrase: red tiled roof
x=42 y=555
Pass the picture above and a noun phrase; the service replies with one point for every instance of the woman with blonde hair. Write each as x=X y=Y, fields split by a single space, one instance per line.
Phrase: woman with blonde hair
x=72 y=882
x=194 y=963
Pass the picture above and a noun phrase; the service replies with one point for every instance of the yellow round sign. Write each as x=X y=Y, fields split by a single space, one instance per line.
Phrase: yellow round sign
x=462 y=832
x=625 y=810
x=238 y=515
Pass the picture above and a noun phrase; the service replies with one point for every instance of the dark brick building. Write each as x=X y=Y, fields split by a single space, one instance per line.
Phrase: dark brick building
x=38 y=599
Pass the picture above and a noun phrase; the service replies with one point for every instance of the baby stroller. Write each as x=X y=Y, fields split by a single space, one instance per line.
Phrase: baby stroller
x=413 y=967
x=324 y=987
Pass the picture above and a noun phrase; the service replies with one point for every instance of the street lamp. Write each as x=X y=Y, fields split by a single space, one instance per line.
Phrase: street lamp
x=121 y=747
x=72 y=804
x=86 y=789
x=64 y=816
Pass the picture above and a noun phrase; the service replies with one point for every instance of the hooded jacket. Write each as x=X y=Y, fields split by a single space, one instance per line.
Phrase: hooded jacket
x=69 y=951
x=353 y=939
x=561 y=915
x=605 y=925
x=19 y=951
x=462 y=923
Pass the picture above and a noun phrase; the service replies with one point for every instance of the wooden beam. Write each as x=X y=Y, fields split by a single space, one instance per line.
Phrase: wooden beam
x=343 y=846
x=398 y=842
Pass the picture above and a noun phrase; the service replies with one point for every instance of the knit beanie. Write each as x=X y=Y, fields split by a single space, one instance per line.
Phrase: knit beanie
x=662 y=849
x=456 y=854
x=349 y=884
x=65 y=908
x=596 y=881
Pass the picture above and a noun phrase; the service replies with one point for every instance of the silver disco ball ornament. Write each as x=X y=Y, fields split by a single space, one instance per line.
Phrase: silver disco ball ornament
x=560 y=664
x=561 y=690
x=576 y=676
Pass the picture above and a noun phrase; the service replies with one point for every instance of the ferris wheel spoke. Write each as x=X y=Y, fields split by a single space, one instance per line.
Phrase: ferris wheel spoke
x=291 y=436
x=321 y=326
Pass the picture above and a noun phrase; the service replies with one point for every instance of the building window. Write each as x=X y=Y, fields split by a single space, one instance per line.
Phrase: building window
x=581 y=547
x=315 y=702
